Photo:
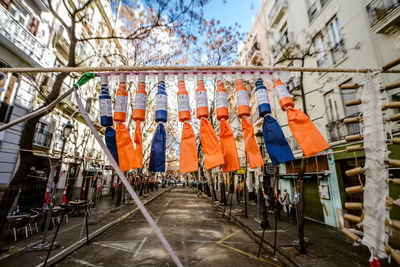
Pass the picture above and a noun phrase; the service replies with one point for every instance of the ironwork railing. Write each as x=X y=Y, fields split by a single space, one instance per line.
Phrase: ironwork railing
x=379 y=9
x=338 y=130
x=322 y=62
x=42 y=138
x=338 y=52
x=18 y=35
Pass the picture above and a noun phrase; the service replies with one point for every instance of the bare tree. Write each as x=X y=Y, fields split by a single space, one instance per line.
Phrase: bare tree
x=153 y=15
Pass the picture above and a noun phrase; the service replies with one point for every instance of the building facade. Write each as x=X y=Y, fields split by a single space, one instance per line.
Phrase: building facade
x=335 y=34
x=31 y=36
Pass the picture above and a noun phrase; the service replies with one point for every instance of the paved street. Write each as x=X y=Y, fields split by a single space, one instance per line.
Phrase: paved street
x=195 y=230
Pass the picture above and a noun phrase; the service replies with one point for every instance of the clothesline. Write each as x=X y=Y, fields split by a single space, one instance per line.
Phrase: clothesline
x=194 y=69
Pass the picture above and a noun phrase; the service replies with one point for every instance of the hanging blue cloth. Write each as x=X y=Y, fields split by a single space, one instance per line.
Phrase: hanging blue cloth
x=111 y=142
x=275 y=142
x=158 y=147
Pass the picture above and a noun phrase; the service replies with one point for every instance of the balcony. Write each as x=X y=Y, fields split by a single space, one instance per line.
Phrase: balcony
x=255 y=54
x=42 y=138
x=338 y=52
x=337 y=130
x=21 y=42
x=384 y=16
x=282 y=46
x=277 y=12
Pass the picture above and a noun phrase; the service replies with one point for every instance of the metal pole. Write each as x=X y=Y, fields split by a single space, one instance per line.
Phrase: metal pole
x=245 y=191
x=53 y=193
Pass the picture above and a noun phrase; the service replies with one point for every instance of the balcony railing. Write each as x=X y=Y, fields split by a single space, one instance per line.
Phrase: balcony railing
x=338 y=52
x=19 y=36
x=338 y=130
x=42 y=138
x=322 y=62
x=379 y=9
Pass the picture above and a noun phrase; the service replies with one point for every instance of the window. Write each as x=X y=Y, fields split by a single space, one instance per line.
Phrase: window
x=320 y=52
x=348 y=95
x=338 y=50
x=331 y=106
x=335 y=35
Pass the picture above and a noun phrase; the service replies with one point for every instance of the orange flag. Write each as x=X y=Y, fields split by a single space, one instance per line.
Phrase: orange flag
x=253 y=151
x=307 y=135
x=138 y=153
x=188 y=160
x=124 y=147
x=228 y=147
x=211 y=148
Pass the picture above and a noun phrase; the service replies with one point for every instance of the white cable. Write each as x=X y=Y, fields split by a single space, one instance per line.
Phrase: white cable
x=126 y=183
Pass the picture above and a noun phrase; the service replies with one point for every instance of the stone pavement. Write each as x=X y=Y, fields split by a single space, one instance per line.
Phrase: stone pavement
x=327 y=246
x=72 y=234
x=195 y=231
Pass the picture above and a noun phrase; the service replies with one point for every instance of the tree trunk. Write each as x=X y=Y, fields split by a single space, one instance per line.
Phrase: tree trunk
x=300 y=180
x=302 y=207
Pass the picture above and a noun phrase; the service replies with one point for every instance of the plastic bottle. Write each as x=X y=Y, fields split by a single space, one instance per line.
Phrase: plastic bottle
x=221 y=99
x=121 y=100
x=201 y=98
x=262 y=98
x=161 y=114
x=106 y=113
x=242 y=97
x=282 y=93
x=183 y=100
x=139 y=107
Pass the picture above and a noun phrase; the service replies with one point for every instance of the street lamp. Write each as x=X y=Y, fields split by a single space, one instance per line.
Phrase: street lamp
x=66 y=131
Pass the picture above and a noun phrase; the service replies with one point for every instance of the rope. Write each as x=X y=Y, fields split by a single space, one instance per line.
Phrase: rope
x=193 y=69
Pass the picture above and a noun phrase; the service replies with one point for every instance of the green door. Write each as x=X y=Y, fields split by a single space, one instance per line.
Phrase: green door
x=312 y=201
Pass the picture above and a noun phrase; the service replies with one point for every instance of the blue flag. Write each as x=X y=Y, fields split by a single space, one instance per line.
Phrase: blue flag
x=275 y=142
x=111 y=142
x=158 y=147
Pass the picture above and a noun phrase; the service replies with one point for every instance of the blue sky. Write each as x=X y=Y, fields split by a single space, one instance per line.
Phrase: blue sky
x=233 y=11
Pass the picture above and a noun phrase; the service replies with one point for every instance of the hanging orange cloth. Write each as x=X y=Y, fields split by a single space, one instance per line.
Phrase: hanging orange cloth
x=253 y=151
x=211 y=148
x=303 y=129
x=188 y=160
x=228 y=147
x=138 y=153
x=209 y=141
x=124 y=147
x=306 y=134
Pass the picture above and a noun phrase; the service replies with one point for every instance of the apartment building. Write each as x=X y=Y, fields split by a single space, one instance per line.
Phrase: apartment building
x=31 y=36
x=337 y=34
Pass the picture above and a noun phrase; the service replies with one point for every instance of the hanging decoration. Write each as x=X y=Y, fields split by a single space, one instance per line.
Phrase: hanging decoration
x=242 y=99
x=64 y=198
x=277 y=147
x=106 y=119
x=158 y=145
x=188 y=159
x=303 y=129
x=212 y=150
x=47 y=194
x=139 y=112
x=226 y=137
x=124 y=141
